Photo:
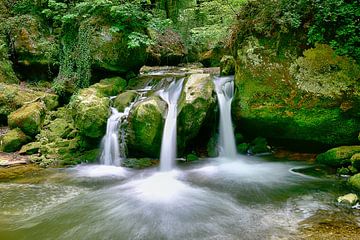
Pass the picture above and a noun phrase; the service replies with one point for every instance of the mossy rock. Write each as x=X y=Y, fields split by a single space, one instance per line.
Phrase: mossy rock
x=273 y=99
x=13 y=140
x=123 y=100
x=28 y=118
x=191 y=157
x=146 y=123
x=243 y=148
x=259 y=145
x=30 y=148
x=139 y=163
x=110 y=86
x=355 y=160
x=196 y=103
x=337 y=156
x=90 y=113
x=354 y=181
x=227 y=65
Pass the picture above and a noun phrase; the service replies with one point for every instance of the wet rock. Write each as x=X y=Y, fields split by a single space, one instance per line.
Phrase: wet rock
x=259 y=145
x=350 y=199
x=196 y=103
x=227 y=65
x=123 y=100
x=90 y=112
x=13 y=140
x=337 y=156
x=28 y=118
x=243 y=148
x=146 y=123
x=191 y=157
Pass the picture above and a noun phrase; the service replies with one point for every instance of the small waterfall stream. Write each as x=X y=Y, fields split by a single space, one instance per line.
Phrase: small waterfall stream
x=168 y=143
x=225 y=92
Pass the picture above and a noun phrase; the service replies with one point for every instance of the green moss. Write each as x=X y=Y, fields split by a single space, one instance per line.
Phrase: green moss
x=355 y=160
x=28 y=118
x=243 y=147
x=146 y=125
x=123 y=100
x=13 y=140
x=110 y=86
x=139 y=163
x=191 y=157
x=30 y=148
x=338 y=156
x=354 y=181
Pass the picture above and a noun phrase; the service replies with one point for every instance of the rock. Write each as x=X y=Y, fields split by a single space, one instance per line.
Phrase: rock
x=13 y=97
x=123 y=100
x=30 y=148
x=90 y=113
x=110 y=86
x=227 y=65
x=349 y=198
x=295 y=97
x=139 y=163
x=13 y=140
x=169 y=48
x=337 y=156
x=196 y=103
x=354 y=181
x=243 y=148
x=355 y=160
x=259 y=145
x=28 y=118
x=146 y=123
x=343 y=171
x=191 y=157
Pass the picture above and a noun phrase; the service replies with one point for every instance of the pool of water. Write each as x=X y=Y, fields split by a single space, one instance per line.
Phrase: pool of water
x=247 y=198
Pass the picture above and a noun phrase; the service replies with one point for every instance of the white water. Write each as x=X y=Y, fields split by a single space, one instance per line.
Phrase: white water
x=168 y=143
x=225 y=93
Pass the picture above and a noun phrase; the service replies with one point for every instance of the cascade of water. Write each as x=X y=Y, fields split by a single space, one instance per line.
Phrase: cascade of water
x=225 y=93
x=114 y=151
x=168 y=143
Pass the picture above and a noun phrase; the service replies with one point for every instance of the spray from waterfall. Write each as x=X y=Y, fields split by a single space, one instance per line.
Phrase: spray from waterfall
x=168 y=145
x=225 y=92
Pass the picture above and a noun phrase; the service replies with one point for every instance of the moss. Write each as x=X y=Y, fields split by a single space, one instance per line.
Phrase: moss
x=354 y=181
x=243 y=147
x=30 y=148
x=28 y=118
x=123 y=100
x=338 y=156
x=16 y=172
x=139 y=163
x=191 y=157
x=355 y=160
x=13 y=140
x=110 y=86
x=146 y=124
x=227 y=65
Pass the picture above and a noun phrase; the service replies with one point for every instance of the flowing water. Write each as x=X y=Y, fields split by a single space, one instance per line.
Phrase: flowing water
x=247 y=198
x=168 y=145
x=224 y=87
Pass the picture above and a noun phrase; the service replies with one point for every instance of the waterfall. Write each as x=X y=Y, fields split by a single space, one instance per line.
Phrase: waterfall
x=168 y=143
x=225 y=93
x=114 y=151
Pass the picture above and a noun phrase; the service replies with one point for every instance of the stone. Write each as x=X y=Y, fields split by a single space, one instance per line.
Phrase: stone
x=337 y=156
x=349 y=198
x=13 y=140
x=28 y=118
x=146 y=123
x=355 y=160
x=110 y=86
x=354 y=181
x=124 y=99
x=227 y=65
x=196 y=105
x=191 y=157
x=259 y=145
x=243 y=148
x=30 y=148
x=90 y=113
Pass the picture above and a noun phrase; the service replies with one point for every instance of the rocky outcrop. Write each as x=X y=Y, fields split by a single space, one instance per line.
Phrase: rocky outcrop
x=146 y=123
x=196 y=104
x=338 y=156
x=300 y=102
x=28 y=118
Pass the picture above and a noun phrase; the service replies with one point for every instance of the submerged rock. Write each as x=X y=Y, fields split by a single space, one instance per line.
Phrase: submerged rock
x=350 y=199
x=13 y=140
x=337 y=156
x=196 y=103
x=146 y=123
x=28 y=118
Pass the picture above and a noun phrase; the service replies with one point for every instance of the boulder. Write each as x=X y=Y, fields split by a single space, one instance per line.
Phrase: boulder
x=259 y=145
x=350 y=198
x=90 y=112
x=355 y=160
x=123 y=100
x=146 y=123
x=243 y=148
x=337 y=156
x=28 y=118
x=294 y=97
x=227 y=65
x=30 y=148
x=354 y=181
x=110 y=86
x=13 y=140
x=196 y=104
